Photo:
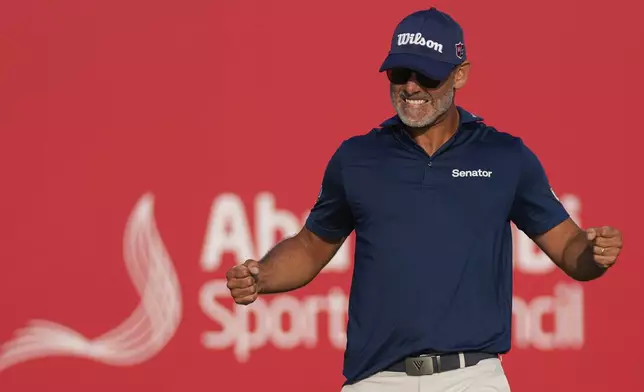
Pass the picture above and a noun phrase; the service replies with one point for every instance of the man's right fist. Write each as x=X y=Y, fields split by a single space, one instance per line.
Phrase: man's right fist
x=242 y=282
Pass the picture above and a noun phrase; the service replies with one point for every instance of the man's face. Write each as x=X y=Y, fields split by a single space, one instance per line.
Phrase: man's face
x=418 y=100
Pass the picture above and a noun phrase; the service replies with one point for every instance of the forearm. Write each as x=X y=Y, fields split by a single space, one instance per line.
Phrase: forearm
x=578 y=259
x=288 y=266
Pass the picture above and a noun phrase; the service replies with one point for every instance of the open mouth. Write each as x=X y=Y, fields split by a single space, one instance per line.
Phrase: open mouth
x=415 y=101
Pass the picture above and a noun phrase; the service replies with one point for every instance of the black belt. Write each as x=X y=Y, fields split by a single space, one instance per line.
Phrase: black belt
x=429 y=364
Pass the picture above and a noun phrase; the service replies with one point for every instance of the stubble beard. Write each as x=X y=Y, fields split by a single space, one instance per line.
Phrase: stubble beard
x=433 y=109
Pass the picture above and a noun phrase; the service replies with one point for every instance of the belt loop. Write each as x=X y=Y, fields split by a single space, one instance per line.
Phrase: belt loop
x=461 y=360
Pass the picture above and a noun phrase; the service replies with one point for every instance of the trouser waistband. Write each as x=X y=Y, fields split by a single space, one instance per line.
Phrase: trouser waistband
x=429 y=364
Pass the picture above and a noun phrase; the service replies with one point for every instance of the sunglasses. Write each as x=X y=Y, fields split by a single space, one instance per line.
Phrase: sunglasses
x=402 y=76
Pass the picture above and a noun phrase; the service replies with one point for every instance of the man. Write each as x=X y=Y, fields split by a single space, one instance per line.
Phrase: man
x=430 y=194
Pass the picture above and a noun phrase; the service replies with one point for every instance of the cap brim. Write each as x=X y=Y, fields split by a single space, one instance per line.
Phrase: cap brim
x=429 y=67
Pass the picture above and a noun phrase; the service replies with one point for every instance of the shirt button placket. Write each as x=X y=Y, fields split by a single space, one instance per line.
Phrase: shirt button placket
x=427 y=174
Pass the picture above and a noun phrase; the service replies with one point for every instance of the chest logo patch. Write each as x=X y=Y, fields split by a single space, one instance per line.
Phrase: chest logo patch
x=471 y=173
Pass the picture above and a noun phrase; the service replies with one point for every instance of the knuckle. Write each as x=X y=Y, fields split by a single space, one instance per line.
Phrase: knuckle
x=242 y=292
x=251 y=298
x=245 y=300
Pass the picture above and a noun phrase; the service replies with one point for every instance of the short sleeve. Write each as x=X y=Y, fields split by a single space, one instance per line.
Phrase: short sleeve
x=536 y=208
x=331 y=216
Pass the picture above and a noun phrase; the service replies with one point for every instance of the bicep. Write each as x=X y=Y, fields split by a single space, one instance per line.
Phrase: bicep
x=330 y=220
x=538 y=212
x=331 y=217
x=320 y=250
x=555 y=241
x=536 y=209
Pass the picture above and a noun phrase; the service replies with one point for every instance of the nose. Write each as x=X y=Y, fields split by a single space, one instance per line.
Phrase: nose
x=412 y=86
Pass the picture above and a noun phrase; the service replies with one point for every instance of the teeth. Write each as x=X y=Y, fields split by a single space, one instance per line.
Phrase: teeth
x=415 y=101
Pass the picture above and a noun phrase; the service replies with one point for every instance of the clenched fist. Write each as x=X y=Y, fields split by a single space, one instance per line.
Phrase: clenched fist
x=242 y=282
x=607 y=244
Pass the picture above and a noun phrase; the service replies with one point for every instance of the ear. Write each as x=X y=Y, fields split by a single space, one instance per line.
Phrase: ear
x=461 y=74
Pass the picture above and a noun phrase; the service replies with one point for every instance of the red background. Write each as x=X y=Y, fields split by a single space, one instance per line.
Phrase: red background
x=103 y=101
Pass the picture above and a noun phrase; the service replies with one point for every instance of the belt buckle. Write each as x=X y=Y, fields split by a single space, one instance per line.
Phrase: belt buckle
x=422 y=366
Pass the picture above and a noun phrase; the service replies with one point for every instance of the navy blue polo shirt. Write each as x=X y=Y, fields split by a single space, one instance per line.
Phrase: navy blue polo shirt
x=433 y=256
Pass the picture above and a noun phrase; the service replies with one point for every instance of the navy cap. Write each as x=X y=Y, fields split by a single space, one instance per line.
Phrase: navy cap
x=429 y=42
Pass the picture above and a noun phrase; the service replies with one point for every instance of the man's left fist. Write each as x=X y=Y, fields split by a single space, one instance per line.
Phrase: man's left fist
x=607 y=244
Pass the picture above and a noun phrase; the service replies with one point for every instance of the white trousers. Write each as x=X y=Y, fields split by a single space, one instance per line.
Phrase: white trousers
x=486 y=376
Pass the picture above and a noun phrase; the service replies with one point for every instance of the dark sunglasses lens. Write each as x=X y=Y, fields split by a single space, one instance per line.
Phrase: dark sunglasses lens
x=427 y=82
x=402 y=75
x=398 y=75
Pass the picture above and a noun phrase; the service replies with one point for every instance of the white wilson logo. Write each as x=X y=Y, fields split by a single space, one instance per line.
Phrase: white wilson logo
x=418 y=39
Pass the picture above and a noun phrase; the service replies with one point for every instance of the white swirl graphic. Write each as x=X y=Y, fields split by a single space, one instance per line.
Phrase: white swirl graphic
x=141 y=336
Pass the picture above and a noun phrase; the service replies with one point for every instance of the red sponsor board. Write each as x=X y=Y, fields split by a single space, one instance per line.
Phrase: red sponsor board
x=145 y=147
